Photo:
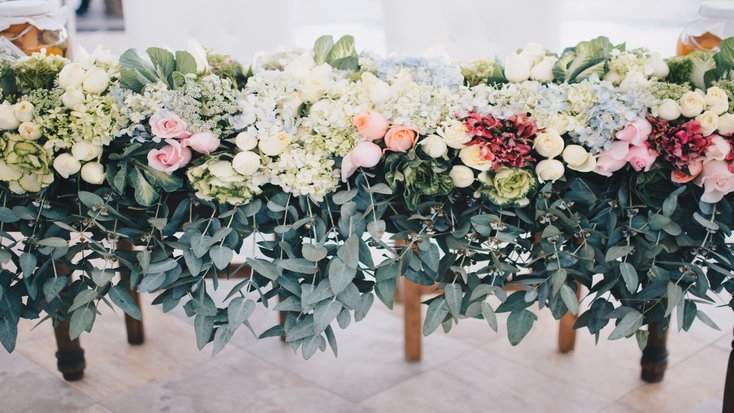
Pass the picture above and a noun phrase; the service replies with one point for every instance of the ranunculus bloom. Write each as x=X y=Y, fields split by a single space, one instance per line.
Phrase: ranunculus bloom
x=202 y=142
x=641 y=158
x=371 y=125
x=364 y=155
x=635 y=132
x=400 y=138
x=93 y=173
x=613 y=159
x=166 y=125
x=681 y=177
x=716 y=180
x=170 y=157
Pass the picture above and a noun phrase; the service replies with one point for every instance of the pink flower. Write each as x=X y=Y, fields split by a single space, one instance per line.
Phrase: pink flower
x=636 y=132
x=718 y=150
x=371 y=125
x=167 y=125
x=716 y=180
x=170 y=157
x=641 y=157
x=613 y=159
x=202 y=142
x=401 y=138
x=364 y=155
x=681 y=177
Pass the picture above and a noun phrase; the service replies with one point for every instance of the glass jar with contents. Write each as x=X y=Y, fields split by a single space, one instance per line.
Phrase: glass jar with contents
x=716 y=22
x=32 y=25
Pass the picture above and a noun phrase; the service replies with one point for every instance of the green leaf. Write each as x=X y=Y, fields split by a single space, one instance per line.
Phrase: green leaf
x=264 y=268
x=630 y=323
x=707 y=320
x=162 y=266
x=340 y=275
x=102 y=277
x=163 y=62
x=453 y=295
x=8 y=334
x=349 y=252
x=376 y=229
x=81 y=320
x=53 y=286
x=569 y=298
x=313 y=253
x=122 y=298
x=185 y=62
x=489 y=315
x=238 y=311
x=618 y=252
x=7 y=215
x=321 y=48
x=436 y=313
x=705 y=222
x=83 y=298
x=342 y=197
x=90 y=200
x=165 y=181
x=519 y=324
x=145 y=194
x=343 y=48
x=674 y=296
x=203 y=327
x=329 y=333
x=221 y=338
x=27 y=264
x=324 y=314
x=221 y=256
x=193 y=263
x=629 y=275
x=298 y=265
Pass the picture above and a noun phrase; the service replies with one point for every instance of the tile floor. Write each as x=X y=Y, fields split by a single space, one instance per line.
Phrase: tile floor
x=470 y=369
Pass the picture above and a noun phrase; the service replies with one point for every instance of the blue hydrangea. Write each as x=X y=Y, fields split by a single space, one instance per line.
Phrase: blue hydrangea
x=428 y=70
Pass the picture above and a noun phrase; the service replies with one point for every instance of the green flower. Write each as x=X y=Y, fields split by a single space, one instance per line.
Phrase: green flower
x=508 y=186
x=217 y=180
x=418 y=177
x=25 y=165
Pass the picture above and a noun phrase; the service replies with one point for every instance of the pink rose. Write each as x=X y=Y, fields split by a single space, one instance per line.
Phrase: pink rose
x=613 y=159
x=681 y=177
x=170 y=157
x=641 y=157
x=718 y=149
x=167 y=125
x=636 y=132
x=202 y=142
x=364 y=155
x=401 y=138
x=371 y=125
x=716 y=180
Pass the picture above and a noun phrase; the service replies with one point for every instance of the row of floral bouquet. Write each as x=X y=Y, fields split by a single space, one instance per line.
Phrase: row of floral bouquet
x=599 y=167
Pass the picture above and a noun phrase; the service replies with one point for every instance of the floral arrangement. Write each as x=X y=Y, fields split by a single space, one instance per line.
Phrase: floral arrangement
x=600 y=167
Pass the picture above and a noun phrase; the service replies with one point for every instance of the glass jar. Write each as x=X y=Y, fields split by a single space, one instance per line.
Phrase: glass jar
x=32 y=25
x=716 y=22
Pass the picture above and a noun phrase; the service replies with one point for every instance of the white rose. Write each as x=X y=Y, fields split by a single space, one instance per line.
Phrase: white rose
x=461 y=176
x=95 y=81
x=549 y=144
x=246 y=163
x=274 y=145
x=668 y=110
x=659 y=68
x=726 y=124
x=66 y=165
x=578 y=158
x=377 y=90
x=543 y=71
x=709 y=122
x=221 y=169
x=691 y=104
x=24 y=111
x=292 y=104
x=72 y=97
x=434 y=146
x=560 y=122
x=454 y=133
x=549 y=169
x=8 y=120
x=72 y=75
x=85 y=150
x=633 y=80
x=245 y=141
x=29 y=130
x=716 y=100
x=613 y=77
x=199 y=54
x=300 y=65
x=93 y=172
x=314 y=84
x=518 y=65
x=471 y=157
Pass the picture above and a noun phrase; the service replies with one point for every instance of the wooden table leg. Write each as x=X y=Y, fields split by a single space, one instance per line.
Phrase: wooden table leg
x=655 y=355
x=566 y=332
x=135 y=332
x=729 y=384
x=70 y=355
x=412 y=316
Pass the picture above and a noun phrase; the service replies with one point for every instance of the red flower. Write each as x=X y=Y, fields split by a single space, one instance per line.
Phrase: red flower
x=678 y=144
x=506 y=143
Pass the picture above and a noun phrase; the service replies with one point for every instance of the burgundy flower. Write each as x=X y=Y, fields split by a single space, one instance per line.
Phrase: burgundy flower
x=505 y=142
x=678 y=144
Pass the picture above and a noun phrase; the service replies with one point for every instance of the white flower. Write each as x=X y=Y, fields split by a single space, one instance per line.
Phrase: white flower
x=633 y=81
x=691 y=104
x=93 y=173
x=668 y=110
x=377 y=90
x=578 y=159
x=471 y=157
x=8 y=120
x=726 y=124
x=72 y=75
x=72 y=97
x=518 y=65
x=245 y=141
x=315 y=82
x=549 y=169
x=221 y=169
x=274 y=145
x=560 y=122
x=95 y=81
x=461 y=176
x=66 y=165
x=454 y=133
x=246 y=163
x=709 y=122
x=29 y=130
x=199 y=54
x=434 y=146
x=85 y=150
x=613 y=76
x=659 y=67
x=24 y=111
x=549 y=144
x=543 y=71
x=716 y=100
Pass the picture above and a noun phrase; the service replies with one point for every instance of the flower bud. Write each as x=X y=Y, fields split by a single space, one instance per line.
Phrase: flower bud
x=461 y=176
x=66 y=165
x=93 y=172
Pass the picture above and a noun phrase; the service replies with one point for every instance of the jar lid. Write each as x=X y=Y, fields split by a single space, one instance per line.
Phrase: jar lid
x=717 y=9
x=24 y=8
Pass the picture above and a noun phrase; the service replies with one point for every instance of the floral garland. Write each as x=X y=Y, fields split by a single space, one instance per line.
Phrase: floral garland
x=599 y=167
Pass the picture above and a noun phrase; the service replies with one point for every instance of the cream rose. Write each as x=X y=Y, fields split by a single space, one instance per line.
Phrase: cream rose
x=461 y=176
x=543 y=71
x=433 y=146
x=72 y=97
x=85 y=151
x=716 y=100
x=691 y=104
x=471 y=156
x=549 y=170
x=549 y=144
x=726 y=124
x=8 y=120
x=245 y=141
x=377 y=90
x=668 y=110
x=95 y=81
x=454 y=133
x=71 y=76
x=66 y=165
x=276 y=144
x=659 y=67
x=24 y=111
x=93 y=172
x=709 y=122
x=29 y=130
x=246 y=163
x=578 y=159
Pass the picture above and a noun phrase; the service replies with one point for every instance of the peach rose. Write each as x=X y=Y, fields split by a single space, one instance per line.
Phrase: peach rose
x=371 y=125
x=716 y=180
x=401 y=138
x=202 y=142
x=170 y=157
x=166 y=125
x=681 y=177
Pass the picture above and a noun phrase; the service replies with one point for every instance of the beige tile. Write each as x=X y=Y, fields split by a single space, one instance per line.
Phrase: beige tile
x=720 y=313
x=25 y=387
x=619 y=408
x=479 y=381
x=235 y=381
x=695 y=385
x=95 y=408
x=725 y=343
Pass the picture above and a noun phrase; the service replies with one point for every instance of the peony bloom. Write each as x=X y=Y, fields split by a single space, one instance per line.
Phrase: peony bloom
x=276 y=144
x=95 y=81
x=549 y=170
x=170 y=157
x=72 y=97
x=474 y=157
x=166 y=125
x=364 y=155
x=8 y=120
x=716 y=180
x=691 y=104
x=371 y=125
x=548 y=144
x=66 y=165
x=246 y=141
x=71 y=76
x=668 y=110
x=681 y=177
x=202 y=142
x=246 y=163
x=93 y=173
x=461 y=176
x=579 y=159
x=401 y=138
x=454 y=133
x=434 y=146
x=641 y=158
x=85 y=150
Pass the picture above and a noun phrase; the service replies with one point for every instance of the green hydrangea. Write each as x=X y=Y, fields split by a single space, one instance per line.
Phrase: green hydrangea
x=482 y=71
x=215 y=179
x=24 y=165
x=666 y=90
x=39 y=71
x=508 y=186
